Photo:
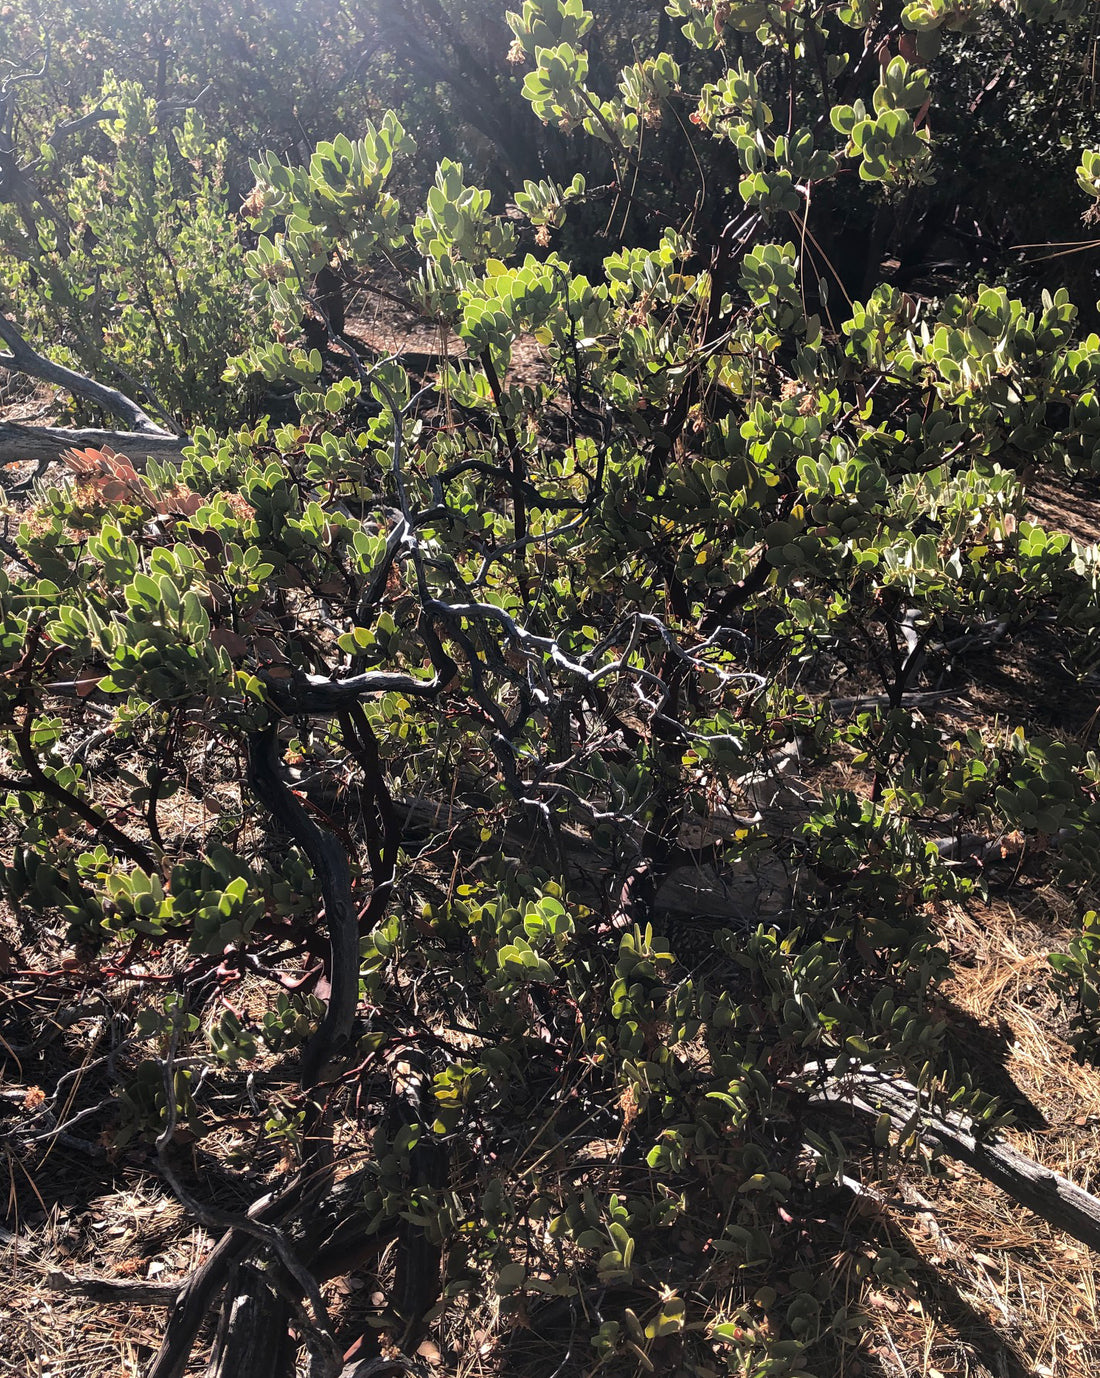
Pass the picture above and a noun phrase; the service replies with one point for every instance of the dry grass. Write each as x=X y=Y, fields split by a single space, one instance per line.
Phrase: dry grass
x=129 y=1231
x=982 y=1287
x=995 y=1291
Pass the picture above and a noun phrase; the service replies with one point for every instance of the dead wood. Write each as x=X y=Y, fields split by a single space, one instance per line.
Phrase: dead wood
x=196 y=1299
x=330 y=864
x=1048 y=1194
x=328 y=1230
x=385 y=1368
x=45 y=443
x=253 y=1330
x=194 y=1302
x=111 y=1290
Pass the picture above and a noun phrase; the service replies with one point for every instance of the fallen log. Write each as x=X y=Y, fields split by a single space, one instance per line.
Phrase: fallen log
x=113 y=1290
x=45 y=443
x=1048 y=1194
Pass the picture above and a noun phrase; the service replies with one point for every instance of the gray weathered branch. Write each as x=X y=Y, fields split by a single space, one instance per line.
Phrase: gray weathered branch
x=46 y=442
x=68 y=128
x=1051 y=1196
x=40 y=442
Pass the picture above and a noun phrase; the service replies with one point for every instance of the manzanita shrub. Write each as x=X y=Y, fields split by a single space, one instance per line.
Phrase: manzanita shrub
x=476 y=664
x=125 y=259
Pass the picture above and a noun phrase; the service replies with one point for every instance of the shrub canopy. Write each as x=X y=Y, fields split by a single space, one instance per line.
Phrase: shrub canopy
x=560 y=740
